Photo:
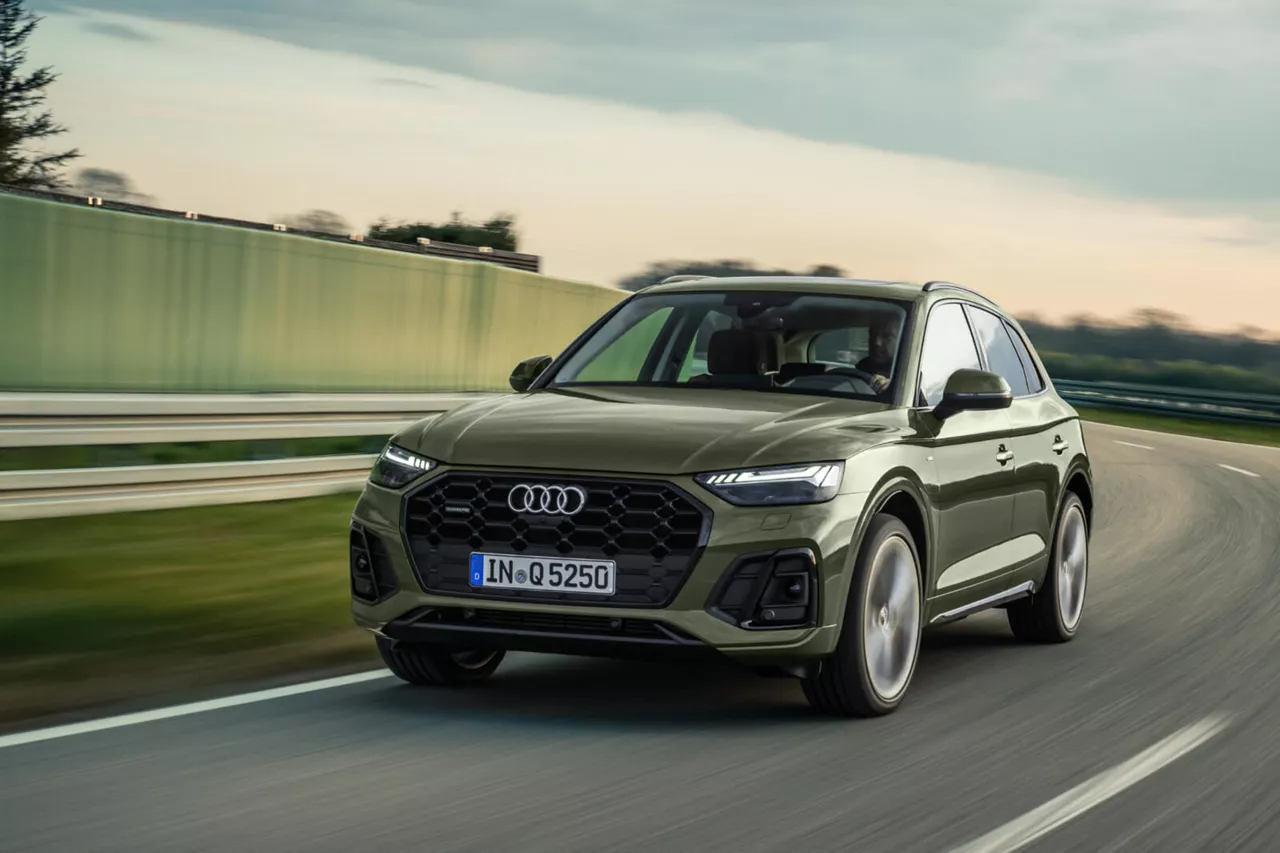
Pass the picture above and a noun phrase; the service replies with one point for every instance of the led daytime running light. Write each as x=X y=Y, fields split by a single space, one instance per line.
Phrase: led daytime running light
x=407 y=459
x=397 y=467
x=819 y=475
x=813 y=482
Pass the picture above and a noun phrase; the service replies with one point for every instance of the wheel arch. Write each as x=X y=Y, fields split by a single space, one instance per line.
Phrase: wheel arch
x=1078 y=481
x=901 y=495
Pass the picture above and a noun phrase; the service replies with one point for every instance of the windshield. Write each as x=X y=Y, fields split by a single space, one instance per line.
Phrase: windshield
x=841 y=346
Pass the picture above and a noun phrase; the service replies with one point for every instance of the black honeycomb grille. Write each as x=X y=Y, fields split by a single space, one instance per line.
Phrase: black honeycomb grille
x=651 y=530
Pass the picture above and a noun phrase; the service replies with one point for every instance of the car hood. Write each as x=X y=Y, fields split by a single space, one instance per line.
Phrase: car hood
x=649 y=430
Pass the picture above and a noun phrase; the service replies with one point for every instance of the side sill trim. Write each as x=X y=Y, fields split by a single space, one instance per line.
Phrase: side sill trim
x=1012 y=594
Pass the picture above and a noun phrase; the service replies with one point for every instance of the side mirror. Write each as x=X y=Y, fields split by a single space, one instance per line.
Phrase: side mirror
x=974 y=390
x=528 y=370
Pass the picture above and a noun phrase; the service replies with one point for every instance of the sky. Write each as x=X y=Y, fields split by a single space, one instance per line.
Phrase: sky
x=1063 y=156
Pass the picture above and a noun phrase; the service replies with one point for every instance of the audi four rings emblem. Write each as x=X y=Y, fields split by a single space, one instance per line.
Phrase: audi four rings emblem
x=547 y=500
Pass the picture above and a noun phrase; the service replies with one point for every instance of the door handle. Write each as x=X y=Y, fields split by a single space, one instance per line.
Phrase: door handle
x=1004 y=456
x=1059 y=446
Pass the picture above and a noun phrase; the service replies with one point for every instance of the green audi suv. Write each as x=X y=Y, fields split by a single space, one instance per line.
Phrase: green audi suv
x=798 y=475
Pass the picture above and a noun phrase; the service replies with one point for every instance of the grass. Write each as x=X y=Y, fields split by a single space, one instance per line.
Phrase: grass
x=101 y=608
x=1222 y=430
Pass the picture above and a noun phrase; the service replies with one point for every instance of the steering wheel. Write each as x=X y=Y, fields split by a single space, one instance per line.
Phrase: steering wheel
x=833 y=380
x=855 y=373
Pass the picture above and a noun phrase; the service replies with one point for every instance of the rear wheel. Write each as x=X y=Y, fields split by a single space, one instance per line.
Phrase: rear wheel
x=875 y=657
x=1053 y=614
x=438 y=665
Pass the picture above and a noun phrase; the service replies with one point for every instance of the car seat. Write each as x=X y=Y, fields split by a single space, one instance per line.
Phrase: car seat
x=733 y=361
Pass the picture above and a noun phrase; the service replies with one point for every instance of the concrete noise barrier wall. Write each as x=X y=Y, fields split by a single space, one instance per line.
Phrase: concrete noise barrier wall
x=98 y=300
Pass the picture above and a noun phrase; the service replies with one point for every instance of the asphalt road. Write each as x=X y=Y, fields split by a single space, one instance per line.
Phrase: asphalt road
x=1182 y=629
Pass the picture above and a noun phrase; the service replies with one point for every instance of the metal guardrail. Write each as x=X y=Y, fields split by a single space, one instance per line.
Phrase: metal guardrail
x=435 y=248
x=49 y=420
x=92 y=491
x=1174 y=402
x=45 y=420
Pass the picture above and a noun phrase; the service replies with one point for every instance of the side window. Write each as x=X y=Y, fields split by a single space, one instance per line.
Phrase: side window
x=1034 y=383
x=948 y=347
x=1002 y=358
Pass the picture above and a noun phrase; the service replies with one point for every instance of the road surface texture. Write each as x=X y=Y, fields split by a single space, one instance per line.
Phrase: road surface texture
x=1155 y=730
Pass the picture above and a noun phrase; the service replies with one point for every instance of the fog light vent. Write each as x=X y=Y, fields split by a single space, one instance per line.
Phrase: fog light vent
x=372 y=576
x=768 y=591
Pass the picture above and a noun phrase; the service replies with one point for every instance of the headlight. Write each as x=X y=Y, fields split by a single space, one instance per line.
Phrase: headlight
x=397 y=467
x=792 y=484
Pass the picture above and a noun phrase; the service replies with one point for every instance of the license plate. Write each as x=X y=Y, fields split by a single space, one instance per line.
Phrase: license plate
x=553 y=574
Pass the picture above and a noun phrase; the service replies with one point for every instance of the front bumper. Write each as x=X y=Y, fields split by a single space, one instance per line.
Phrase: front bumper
x=689 y=626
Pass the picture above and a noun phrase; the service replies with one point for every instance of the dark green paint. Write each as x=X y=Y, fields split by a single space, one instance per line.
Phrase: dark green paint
x=971 y=390
x=528 y=370
x=987 y=470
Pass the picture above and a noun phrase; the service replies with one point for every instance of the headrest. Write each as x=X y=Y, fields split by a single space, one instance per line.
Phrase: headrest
x=733 y=351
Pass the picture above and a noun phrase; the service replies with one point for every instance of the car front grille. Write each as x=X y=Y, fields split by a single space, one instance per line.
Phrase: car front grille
x=651 y=530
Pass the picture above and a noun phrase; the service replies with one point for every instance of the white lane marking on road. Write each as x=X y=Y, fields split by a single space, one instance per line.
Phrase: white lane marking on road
x=1238 y=470
x=1075 y=802
x=1131 y=444
x=21 y=738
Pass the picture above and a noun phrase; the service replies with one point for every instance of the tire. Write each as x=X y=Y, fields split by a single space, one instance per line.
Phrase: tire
x=1054 y=612
x=437 y=665
x=869 y=672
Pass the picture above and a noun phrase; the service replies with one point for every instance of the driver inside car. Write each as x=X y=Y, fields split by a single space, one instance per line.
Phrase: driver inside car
x=882 y=346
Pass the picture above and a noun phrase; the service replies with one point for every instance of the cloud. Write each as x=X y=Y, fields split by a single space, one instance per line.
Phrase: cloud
x=123 y=32
x=406 y=82
x=244 y=126
x=1168 y=99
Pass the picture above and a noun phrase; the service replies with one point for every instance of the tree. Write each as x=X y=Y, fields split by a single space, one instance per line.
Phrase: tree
x=24 y=125
x=323 y=221
x=110 y=185
x=656 y=272
x=497 y=233
x=1149 y=345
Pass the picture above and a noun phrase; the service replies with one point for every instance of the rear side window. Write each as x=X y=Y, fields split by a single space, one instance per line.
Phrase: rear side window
x=1002 y=358
x=948 y=347
x=1034 y=383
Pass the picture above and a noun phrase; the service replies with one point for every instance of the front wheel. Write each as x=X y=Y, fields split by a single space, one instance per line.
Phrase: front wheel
x=436 y=665
x=875 y=657
x=1053 y=614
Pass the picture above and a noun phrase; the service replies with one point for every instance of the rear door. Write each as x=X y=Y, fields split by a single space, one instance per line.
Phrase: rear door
x=1032 y=436
x=974 y=502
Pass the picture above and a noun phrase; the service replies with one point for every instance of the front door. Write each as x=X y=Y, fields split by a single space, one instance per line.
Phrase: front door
x=975 y=486
x=975 y=501
x=1035 y=438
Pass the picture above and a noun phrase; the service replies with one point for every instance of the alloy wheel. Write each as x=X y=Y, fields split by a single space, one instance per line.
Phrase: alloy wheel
x=891 y=618
x=1073 y=566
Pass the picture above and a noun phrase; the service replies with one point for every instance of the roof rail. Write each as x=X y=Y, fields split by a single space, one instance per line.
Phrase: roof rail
x=930 y=286
x=672 y=279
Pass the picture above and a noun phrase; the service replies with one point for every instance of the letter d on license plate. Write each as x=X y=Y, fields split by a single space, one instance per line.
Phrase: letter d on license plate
x=547 y=574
